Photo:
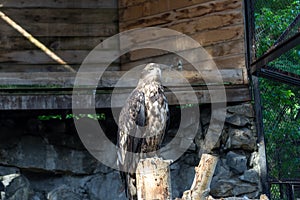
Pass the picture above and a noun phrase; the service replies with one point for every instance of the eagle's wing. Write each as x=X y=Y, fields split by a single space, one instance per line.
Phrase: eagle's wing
x=131 y=117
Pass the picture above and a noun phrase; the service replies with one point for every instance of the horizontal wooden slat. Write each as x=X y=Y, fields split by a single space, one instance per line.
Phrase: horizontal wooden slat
x=31 y=100
x=219 y=35
x=55 y=43
x=184 y=23
x=217 y=50
x=144 y=38
x=70 y=16
x=39 y=57
x=225 y=62
x=172 y=4
x=163 y=6
x=9 y=67
x=60 y=29
x=59 y=4
x=120 y=78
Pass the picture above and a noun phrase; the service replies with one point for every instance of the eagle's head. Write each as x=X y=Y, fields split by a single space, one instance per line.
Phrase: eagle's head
x=151 y=72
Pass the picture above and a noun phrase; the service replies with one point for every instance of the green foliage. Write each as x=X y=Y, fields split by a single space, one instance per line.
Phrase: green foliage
x=282 y=128
x=272 y=17
x=100 y=116
x=281 y=103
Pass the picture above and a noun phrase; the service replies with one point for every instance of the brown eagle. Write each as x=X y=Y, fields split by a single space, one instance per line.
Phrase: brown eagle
x=142 y=123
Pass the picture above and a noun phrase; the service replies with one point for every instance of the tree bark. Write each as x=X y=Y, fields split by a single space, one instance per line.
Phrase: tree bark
x=153 y=179
x=201 y=184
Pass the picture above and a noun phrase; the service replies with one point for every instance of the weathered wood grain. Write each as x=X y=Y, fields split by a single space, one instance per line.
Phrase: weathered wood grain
x=175 y=41
x=153 y=179
x=70 y=56
x=219 y=35
x=216 y=50
x=235 y=61
x=203 y=177
x=38 y=100
x=185 y=24
x=118 y=78
x=30 y=68
x=8 y=43
x=163 y=6
x=59 y=4
x=173 y=4
x=61 y=29
x=71 y=16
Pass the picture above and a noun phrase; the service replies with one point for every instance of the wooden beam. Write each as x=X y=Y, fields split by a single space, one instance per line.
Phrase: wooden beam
x=14 y=43
x=275 y=53
x=233 y=47
x=111 y=78
x=44 y=99
x=59 y=4
x=235 y=61
x=51 y=68
x=280 y=75
x=62 y=15
x=63 y=29
x=35 y=57
x=195 y=8
x=180 y=21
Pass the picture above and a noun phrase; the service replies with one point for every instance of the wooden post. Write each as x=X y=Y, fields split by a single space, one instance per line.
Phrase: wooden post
x=201 y=184
x=153 y=179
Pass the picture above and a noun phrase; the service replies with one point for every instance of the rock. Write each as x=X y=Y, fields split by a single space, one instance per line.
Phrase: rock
x=205 y=115
x=1 y=187
x=254 y=161
x=107 y=186
x=243 y=189
x=245 y=109
x=250 y=176
x=236 y=162
x=241 y=139
x=222 y=171
x=8 y=170
x=190 y=159
x=187 y=143
x=213 y=137
x=101 y=168
x=192 y=119
x=237 y=120
x=174 y=166
x=181 y=179
x=16 y=187
x=222 y=188
x=63 y=192
x=41 y=155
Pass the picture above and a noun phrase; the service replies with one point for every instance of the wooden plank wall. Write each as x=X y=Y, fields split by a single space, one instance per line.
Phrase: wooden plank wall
x=218 y=25
x=70 y=28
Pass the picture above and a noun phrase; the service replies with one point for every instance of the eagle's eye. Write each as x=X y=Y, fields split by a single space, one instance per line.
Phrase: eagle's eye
x=150 y=68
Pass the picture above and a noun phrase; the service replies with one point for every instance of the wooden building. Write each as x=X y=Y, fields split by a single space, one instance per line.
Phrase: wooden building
x=44 y=44
x=71 y=29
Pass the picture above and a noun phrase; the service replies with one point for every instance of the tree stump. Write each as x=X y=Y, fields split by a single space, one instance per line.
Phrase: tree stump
x=153 y=179
x=201 y=184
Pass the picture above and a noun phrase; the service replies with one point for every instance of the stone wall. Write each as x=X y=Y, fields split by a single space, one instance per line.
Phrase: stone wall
x=42 y=160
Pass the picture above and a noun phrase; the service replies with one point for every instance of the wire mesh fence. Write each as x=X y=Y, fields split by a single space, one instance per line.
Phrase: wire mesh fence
x=281 y=118
x=288 y=61
x=276 y=22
